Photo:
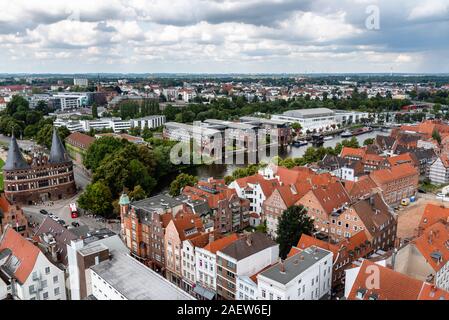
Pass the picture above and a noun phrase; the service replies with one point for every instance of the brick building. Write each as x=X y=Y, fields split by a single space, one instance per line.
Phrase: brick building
x=143 y=225
x=183 y=227
x=13 y=216
x=77 y=144
x=396 y=183
x=322 y=201
x=229 y=212
x=46 y=178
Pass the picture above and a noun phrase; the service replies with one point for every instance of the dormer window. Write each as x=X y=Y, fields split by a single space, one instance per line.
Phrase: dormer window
x=360 y=294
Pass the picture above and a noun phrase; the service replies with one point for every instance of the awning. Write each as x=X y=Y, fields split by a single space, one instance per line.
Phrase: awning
x=206 y=293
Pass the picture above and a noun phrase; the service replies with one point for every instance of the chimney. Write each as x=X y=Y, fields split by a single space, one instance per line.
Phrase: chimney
x=211 y=237
x=249 y=240
x=281 y=266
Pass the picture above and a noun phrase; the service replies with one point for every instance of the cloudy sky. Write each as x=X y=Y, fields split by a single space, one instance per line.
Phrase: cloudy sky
x=224 y=36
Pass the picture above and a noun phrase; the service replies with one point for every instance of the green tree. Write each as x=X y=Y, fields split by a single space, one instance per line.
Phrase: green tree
x=296 y=126
x=100 y=149
x=137 y=194
x=180 y=182
x=436 y=135
x=292 y=224
x=45 y=134
x=95 y=110
x=17 y=104
x=97 y=198
x=262 y=227
x=368 y=142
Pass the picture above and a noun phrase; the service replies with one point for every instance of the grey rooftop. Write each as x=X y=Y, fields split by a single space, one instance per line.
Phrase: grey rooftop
x=295 y=265
x=135 y=281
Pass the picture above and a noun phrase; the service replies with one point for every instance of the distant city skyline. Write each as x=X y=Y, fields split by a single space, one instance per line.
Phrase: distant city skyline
x=224 y=37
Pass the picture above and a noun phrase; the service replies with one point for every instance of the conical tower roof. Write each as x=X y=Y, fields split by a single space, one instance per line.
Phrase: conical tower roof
x=57 y=152
x=15 y=159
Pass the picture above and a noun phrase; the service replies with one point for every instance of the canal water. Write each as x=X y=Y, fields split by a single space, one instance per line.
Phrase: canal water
x=222 y=170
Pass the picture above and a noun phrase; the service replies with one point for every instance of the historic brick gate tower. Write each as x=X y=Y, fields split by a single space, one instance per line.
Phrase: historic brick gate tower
x=44 y=179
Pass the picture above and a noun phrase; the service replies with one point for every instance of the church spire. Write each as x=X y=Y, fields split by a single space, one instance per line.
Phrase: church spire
x=57 y=152
x=15 y=159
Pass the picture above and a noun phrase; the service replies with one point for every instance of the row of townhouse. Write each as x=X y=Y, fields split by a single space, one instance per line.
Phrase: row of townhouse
x=339 y=210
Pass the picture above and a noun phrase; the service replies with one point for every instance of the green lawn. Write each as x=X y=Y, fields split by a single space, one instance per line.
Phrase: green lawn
x=2 y=163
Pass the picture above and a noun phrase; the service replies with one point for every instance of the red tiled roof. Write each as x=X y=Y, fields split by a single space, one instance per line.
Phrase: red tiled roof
x=222 y=192
x=394 y=173
x=433 y=214
x=352 y=152
x=222 y=243
x=332 y=196
x=364 y=186
x=433 y=241
x=267 y=186
x=23 y=250
x=430 y=292
x=401 y=159
x=186 y=221
x=80 y=140
x=392 y=285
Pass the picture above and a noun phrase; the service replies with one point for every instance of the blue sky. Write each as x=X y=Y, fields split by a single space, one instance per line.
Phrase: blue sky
x=223 y=36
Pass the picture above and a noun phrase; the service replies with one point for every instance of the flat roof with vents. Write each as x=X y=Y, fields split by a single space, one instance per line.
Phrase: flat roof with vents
x=295 y=265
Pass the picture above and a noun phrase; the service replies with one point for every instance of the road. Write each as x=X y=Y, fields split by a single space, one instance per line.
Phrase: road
x=27 y=145
x=62 y=211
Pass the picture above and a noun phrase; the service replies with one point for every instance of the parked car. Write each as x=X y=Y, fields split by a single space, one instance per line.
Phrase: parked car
x=44 y=212
x=422 y=191
x=75 y=224
x=440 y=196
x=61 y=222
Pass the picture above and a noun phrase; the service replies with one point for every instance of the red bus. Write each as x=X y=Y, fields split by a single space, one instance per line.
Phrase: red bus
x=73 y=210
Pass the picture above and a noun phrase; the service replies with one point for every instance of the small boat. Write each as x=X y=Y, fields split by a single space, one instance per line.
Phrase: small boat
x=327 y=138
x=300 y=143
x=347 y=134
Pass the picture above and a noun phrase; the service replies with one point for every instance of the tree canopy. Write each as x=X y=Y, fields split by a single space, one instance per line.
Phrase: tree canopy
x=292 y=224
x=180 y=182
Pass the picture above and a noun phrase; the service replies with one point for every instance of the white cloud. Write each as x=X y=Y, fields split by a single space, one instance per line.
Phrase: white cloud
x=216 y=35
x=429 y=8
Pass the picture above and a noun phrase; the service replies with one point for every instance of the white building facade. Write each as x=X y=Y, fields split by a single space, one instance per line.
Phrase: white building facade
x=439 y=171
x=304 y=276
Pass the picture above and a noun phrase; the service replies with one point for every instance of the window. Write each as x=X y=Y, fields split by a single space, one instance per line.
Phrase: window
x=31 y=289
x=56 y=291
x=47 y=270
x=55 y=279
x=45 y=295
x=264 y=294
x=44 y=283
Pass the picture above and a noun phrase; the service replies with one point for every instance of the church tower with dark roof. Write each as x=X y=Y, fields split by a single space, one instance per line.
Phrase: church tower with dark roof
x=45 y=179
x=57 y=153
x=15 y=159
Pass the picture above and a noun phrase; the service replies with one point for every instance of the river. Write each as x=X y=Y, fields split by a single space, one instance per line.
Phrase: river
x=222 y=170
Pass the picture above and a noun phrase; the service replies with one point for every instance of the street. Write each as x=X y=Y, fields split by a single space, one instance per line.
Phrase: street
x=61 y=210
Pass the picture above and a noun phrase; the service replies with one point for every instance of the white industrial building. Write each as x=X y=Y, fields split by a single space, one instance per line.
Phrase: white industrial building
x=80 y=82
x=151 y=122
x=124 y=278
x=309 y=119
x=71 y=100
